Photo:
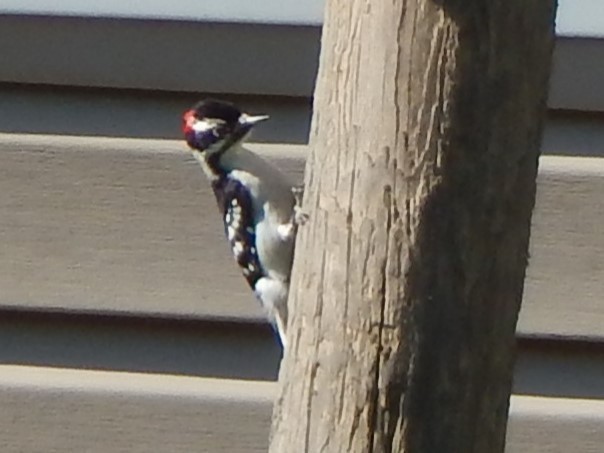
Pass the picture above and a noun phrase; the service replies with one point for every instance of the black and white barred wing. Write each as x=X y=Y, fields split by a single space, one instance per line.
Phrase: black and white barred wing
x=238 y=216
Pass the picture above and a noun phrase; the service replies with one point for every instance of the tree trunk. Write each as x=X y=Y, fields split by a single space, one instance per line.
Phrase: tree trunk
x=420 y=185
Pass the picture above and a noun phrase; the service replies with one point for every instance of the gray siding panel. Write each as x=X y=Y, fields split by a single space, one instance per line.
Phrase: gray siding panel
x=120 y=225
x=112 y=255
x=577 y=75
x=219 y=57
x=54 y=410
x=574 y=17
x=159 y=55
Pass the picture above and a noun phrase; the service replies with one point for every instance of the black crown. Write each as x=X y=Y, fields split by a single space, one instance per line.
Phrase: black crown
x=221 y=110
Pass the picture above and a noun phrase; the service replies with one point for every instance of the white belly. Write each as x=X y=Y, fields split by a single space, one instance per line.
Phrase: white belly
x=275 y=253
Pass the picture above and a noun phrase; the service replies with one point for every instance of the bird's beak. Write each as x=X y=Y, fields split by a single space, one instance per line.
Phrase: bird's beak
x=246 y=123
x=249 y=120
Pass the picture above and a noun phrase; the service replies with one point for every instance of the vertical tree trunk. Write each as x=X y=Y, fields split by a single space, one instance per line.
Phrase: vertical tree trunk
x=420 y=186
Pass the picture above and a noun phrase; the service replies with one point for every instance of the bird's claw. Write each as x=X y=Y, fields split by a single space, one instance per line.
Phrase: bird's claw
x=300 y=217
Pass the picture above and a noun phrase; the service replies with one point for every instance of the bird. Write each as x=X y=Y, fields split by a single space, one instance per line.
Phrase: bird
x=260 y=207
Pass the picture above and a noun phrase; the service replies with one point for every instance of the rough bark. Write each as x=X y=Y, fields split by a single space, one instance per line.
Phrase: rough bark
x=420 y=186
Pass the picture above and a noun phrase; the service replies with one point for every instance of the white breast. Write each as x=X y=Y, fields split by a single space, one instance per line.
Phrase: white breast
x=273 y=206
x=274 y=252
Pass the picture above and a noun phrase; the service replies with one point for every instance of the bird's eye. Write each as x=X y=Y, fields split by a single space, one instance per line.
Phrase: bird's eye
x=208 y=138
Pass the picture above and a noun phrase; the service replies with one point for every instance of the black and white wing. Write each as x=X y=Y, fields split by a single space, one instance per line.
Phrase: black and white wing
x=237 y=210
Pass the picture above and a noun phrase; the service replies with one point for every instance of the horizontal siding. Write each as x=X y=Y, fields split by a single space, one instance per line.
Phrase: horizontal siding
x=580 y=18
x=135 y=113
x=577 y=74
x=160 y=55
x=192 y=347
x=574 y=17
x=250 y=351
x=112 y=256
x=115 y=226
x=291 y=12
x=129 y=226
x=152 y=114
x=253 y=59
x=573 y=134
x=57 y=410
x=564 y=285
x=550 y=425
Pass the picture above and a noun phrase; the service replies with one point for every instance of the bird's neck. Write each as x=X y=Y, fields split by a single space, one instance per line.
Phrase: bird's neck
x=218 y=164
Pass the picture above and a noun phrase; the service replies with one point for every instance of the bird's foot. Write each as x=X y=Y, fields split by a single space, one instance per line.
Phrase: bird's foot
x=300 y=217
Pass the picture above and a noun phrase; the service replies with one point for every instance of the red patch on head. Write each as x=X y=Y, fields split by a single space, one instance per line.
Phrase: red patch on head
x=188 y=120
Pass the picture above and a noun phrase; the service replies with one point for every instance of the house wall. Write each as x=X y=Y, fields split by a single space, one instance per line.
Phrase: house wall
x=127 y=327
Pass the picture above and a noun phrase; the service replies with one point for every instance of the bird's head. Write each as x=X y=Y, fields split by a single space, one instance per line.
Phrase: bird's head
x=214 y=126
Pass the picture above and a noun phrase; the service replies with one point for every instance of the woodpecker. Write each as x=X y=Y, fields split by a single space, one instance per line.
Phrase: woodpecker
x=260 y=208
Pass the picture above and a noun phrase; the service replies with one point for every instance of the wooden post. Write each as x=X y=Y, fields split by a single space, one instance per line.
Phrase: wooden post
x=420 y=186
